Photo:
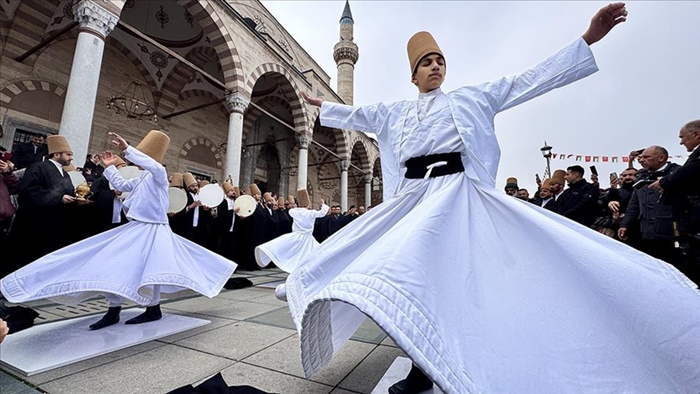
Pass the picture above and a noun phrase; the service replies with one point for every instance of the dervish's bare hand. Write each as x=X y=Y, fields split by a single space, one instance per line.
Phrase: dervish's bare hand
x=315 y=101
x=67 y=199
x=118 y=141
x=603 y=21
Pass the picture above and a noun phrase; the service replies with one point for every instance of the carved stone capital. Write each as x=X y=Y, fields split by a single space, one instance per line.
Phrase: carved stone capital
x=345 y=165
x=235 y=102
x=94 y=18
x=304 y=141
x=368 y=178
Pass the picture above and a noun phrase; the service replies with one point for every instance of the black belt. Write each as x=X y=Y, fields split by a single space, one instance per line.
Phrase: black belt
x=417 y=167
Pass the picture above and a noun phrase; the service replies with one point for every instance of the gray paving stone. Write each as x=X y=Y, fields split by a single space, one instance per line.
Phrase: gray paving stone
x=269 y=299
x=278 y=318
x=239 y=310
x=263 y=279
x=84 y=365
x=388 y=342
x=156 y=371
x=243 y=294
x=11 y=385
x=216 y=322
x=343 y=391
x=271 y=381
x=196 y=304
x=366 y=375
x=286 y=357
x=369 y=332
x=236 y=341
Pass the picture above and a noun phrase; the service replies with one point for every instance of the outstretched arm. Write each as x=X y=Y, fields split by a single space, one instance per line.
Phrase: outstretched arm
x=340 y=116
x=568 y=65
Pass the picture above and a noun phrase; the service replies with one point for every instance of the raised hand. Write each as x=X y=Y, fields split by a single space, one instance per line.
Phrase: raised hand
x=316 y=102
x=108 y=158
x=603 y=21
x=118 y=141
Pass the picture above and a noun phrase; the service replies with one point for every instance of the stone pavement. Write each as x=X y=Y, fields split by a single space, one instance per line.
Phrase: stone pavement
x=251 y=340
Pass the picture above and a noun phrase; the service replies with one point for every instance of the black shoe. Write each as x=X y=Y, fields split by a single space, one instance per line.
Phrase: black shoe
x=111 y=317
x=416 y=382
x=152 y=314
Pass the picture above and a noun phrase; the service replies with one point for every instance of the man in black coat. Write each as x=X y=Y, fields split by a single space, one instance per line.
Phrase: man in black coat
x=107 y=212
x=28 y=153
x=46 y=197
x=683 y=187
x=580 y=201
x=651 y=212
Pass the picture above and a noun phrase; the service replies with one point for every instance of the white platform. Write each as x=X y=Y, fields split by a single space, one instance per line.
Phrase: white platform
x=47 y=346
x=398 y=371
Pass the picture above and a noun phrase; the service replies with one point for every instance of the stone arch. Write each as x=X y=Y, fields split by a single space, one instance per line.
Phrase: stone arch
x=359 y=148
x=28 y=26
x=182 y=74
x=341 y=142
x=252 y=114
x=203 y=12
x=204 y=93
x=290 y=90
x=52 y=91
x=201 y=149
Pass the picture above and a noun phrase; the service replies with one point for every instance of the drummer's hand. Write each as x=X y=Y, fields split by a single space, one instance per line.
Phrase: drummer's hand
x=118 y=141
x=206 y=208
x=194 y=205
x=67 y=199
x=236 y=210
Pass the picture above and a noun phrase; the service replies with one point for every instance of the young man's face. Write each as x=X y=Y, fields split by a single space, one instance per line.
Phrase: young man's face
x=430 y=73
x=64 y=158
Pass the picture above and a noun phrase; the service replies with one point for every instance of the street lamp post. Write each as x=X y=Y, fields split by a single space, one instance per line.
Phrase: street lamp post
x=547 y=154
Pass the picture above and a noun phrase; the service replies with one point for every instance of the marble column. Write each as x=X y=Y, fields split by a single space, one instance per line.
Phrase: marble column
x=236 y=104
x=303 y=156
x=79 y=106
x=368 y=190
x=344 y=166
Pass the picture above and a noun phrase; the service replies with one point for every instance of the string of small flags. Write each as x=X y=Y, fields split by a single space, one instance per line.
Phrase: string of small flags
x=600 y=158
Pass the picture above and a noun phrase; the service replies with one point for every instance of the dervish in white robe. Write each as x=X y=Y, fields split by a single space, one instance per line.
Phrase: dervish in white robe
x=453 y=272
x=289 y=251
x=137 y=261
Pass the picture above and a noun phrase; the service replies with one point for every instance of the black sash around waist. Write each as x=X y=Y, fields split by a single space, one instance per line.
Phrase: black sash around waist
x=417 y=167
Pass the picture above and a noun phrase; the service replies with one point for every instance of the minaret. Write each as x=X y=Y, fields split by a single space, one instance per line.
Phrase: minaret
x=345 y=55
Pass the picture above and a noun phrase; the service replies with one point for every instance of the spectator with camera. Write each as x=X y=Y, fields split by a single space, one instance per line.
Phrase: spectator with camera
x=651 y=212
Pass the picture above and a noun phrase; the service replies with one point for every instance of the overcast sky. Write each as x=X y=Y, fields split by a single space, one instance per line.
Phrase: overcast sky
x=648 y=85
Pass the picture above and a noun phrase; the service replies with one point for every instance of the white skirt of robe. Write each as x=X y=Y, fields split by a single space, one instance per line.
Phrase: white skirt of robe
x=490 y=294
x=127 y=261
x=287 y=251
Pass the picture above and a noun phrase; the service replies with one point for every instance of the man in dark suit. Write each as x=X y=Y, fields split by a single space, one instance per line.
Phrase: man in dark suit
x=683 y=188
x=46 y=196
x=28 y=153
x=651 y=212
x=580 y=201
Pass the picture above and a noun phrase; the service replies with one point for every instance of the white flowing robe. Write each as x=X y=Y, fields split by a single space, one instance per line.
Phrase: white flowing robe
x=486 y=293
x=289 y=251
x=128 y=261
